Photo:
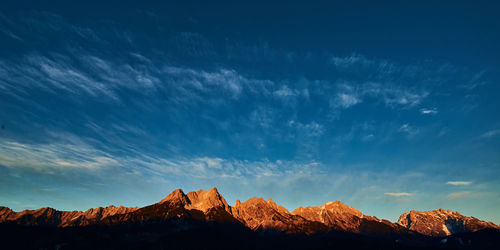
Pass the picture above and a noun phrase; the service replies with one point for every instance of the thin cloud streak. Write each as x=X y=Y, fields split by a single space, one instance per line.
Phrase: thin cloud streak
x=458 y=195
x=425 y=111
x=79 y=155
x=399 y=194
x=459 y=183
x=350 y=94
x=408 y=129
x=491 y=133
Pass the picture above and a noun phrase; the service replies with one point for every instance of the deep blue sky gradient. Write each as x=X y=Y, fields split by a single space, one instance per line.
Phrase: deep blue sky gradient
x=386 y=106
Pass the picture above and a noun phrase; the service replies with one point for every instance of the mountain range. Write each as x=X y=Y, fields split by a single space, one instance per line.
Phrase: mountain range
x=181 y=212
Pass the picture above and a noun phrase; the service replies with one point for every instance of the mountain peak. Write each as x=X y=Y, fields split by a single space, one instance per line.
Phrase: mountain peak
x=277 y=207
x=204 y=200
x=177 y=197
x=259 y=214
x=334 y=203
x=333 y=214
x=332 y=206
x=440 y=212
x=441 y=222
x=444 y=211
x=255 y=199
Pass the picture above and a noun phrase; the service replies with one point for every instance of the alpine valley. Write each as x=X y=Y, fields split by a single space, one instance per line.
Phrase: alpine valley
x=204 y=220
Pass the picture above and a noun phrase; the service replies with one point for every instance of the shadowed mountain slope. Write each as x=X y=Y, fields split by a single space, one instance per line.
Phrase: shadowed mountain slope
x=255 y=214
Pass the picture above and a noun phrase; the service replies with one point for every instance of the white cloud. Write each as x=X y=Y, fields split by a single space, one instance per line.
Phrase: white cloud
x=476 y=80
x=368 y=137
x=350 y=61
x=408 y=129
x=220 y=80
x=405 y=127
x=349 y=94
x=379 y=82
x=398 y=194
x=311 y=129
x=285 y=91
x=263 y=117
x=398 y=96
x=432 y=111
x=212 y=162
x=491 y=133
x=347 y=100
x=458 y=183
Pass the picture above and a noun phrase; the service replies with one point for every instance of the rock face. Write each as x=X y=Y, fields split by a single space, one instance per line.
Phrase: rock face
x=201 y=205
x=256 y=214
x=334 y=215
x=442 y=222
x=202 y=200
x=259 y=214
x=338 y=216
x=52 y=217
x=205 y=200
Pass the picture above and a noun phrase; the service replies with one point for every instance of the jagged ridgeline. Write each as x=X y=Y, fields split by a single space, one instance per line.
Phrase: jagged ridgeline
x=180 y=212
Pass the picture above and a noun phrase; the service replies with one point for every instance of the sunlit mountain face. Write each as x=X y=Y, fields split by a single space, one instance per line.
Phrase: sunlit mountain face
x=387 y=107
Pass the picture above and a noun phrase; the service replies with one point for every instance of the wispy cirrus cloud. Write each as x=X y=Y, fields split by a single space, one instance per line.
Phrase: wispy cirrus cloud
x=79 y=154
x=50 y=158
x=491 y=133
x=105 y=75
x=78 y=157
x=476 y=80
x=368 y=137
x=458 y=195
x=399 y=194
x=349 y=61
x=459 y=183
x=350 y=94
x=312 y=129
x=285 y=91
x=347 y=100
x=101 y=77
x=408 y=129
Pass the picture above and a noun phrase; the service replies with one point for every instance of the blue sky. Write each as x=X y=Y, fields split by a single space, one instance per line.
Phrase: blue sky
x=387 y=107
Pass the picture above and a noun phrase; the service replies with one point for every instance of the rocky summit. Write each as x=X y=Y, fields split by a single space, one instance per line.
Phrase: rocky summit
x=442 y=222
x=51 y=217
